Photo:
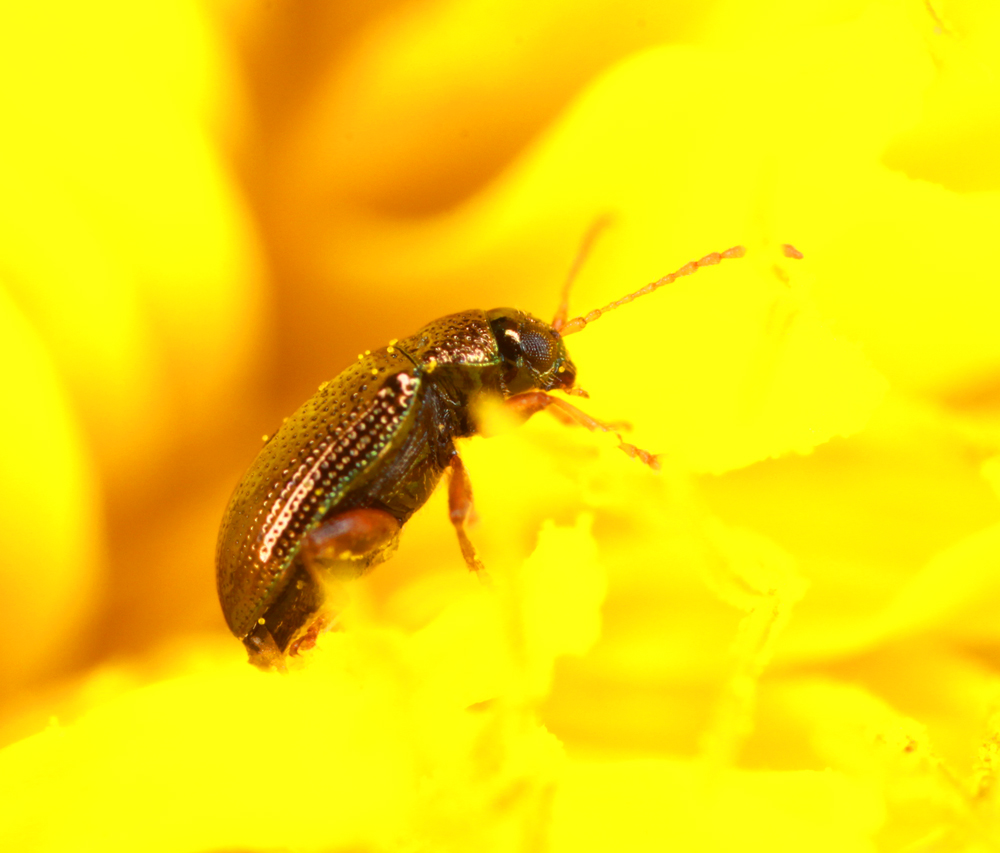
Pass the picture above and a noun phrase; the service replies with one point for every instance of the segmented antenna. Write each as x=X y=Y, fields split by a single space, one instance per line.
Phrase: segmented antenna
x=599 y=224
x=569 y=327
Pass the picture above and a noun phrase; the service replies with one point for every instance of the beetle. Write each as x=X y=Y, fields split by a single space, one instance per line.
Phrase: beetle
x=329 y=492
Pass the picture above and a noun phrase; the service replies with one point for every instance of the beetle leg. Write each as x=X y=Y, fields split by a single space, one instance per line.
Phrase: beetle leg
x=460 y=509
x=527 y=404
x=349 y=543
x=341 y=547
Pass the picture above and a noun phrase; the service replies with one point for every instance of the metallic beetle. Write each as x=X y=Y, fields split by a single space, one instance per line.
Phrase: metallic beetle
x=328 y=494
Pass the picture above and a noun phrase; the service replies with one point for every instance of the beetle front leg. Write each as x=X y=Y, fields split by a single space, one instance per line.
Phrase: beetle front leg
x=525 y=405
x=459 y=509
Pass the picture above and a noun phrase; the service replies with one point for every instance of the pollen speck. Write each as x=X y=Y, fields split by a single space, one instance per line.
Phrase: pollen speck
x=260 y=621
x=264 y=437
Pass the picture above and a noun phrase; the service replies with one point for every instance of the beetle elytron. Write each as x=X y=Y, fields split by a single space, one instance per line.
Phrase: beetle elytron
x=328 y=494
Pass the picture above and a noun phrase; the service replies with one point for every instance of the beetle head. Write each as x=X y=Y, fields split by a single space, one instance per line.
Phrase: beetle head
x=534 y=355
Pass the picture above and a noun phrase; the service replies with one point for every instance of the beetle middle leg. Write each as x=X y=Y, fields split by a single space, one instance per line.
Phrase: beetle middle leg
x=527 y=404
x=459 y=509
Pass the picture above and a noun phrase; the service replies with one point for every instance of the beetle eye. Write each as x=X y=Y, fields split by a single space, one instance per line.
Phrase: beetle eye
x=538 y=349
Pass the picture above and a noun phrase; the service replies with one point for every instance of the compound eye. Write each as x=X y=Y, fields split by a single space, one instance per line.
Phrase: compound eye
x=539 y=348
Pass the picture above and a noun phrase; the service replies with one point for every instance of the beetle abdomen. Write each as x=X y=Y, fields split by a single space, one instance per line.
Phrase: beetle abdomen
x=330 y=447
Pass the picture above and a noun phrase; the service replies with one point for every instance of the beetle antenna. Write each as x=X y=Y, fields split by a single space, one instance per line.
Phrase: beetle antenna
x=596 y=227
x=570 y=327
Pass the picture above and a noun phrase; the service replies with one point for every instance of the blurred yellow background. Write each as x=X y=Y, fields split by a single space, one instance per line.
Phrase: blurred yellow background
x=785 y=640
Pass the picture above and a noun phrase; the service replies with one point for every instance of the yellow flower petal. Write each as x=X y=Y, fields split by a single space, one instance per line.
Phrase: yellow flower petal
x=50 y=538
x=671 y=805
